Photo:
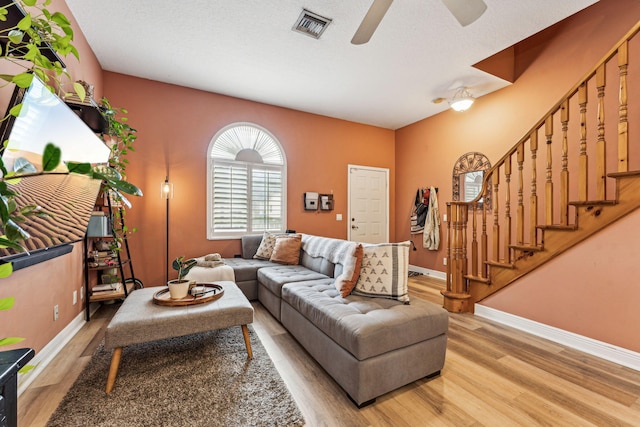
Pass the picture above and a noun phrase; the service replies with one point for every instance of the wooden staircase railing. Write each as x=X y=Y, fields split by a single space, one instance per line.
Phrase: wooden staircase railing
x=551 y=189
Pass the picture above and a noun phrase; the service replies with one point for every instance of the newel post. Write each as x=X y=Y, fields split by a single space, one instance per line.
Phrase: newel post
x=456 y=296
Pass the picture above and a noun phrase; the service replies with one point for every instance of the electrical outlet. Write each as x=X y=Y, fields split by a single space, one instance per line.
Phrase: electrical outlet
x=444 y=261
x=81 y=293
x=55 y=312
x=75 y=297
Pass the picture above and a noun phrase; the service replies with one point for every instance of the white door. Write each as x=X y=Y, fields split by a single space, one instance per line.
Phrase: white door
x=368 y=219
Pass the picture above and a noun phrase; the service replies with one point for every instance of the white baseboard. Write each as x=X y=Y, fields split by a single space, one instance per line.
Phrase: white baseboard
x=600 y=349
x=427 y=272
x=46 y=355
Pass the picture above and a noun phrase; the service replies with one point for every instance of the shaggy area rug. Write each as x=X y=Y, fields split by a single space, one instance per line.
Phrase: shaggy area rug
x=198 y=380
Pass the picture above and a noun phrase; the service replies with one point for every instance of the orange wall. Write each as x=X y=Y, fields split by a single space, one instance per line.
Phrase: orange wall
x=38 y=288
x=591 y=290
x=548 y=65
x=175 y=126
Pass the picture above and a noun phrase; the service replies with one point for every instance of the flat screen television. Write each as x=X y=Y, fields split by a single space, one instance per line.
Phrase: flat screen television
x=67 y=198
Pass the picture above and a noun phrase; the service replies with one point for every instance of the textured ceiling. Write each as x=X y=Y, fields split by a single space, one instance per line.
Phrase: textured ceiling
x=246 y=49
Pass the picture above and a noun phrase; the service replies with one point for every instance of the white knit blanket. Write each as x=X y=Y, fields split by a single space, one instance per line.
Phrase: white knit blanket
x=333 y=250
x=209 y=261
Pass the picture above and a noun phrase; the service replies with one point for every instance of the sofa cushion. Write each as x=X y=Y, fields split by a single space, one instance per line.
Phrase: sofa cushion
x=287 y=249
x=246 y=269
x=250 y=244
x=274 y=277
x=267 y=244
x=384 y=272
x=346 y=281
x=320 y=264
x=363 y=326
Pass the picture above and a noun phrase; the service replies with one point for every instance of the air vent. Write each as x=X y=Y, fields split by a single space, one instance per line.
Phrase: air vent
x=311 y=24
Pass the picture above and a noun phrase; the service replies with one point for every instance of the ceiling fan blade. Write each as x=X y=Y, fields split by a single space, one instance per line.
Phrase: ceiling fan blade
x=371 y=21
x=465 y=11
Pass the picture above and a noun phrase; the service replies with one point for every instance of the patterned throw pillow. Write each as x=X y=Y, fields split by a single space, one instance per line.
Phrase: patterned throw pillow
x=287 y=249
x=350 y=272
x=384 y=272
x=266 y=246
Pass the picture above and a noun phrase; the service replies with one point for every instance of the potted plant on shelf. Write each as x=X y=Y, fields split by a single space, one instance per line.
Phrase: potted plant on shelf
x=179 y=288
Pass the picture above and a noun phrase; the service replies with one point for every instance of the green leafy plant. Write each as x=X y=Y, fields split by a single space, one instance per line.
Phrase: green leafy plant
x=120 y=137
x=183 y=267
x=22 y=46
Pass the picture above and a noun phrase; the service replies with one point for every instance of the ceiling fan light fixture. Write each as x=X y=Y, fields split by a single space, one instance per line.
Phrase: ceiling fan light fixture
x=461 y=100
x=311 y=24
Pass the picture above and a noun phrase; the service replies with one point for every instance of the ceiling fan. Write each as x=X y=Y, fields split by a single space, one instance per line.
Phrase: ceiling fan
x=465 y=11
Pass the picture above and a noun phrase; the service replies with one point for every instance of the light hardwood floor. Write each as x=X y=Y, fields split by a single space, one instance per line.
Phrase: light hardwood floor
x=493 y=376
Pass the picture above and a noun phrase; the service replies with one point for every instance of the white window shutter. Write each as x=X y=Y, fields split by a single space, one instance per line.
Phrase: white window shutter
x=230 y=197
x=247 y=188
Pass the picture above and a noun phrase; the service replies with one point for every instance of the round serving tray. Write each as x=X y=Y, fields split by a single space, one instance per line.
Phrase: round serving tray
x=210 y=292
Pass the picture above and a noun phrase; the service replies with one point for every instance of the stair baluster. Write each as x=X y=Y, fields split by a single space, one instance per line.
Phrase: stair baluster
x=564 y=173
x=533 y=202
x=583 y=161
x=623 y=124
x=601 y=149
x=548 y=201
x=520 y=212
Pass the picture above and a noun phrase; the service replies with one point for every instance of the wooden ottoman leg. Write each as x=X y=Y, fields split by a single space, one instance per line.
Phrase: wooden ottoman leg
x=247 y=341
x=113 y=369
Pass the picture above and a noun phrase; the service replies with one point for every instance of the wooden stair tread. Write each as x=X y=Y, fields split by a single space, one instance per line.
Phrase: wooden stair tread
x=501 y=264
x=527 y=248
x=559 y=227
x=623 y=174
x=594 y=203
x=478 y=279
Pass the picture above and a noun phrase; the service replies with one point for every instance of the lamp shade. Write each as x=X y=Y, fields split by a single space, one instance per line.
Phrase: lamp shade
x=462 y=100
x=166 y=189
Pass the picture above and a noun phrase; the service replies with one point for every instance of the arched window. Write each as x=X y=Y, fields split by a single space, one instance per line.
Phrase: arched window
x=246 y=182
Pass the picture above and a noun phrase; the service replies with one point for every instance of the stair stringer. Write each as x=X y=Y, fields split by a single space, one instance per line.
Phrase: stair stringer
x=590 y=219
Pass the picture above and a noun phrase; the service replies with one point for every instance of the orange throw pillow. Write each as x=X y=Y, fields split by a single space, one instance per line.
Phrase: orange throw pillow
x=287 y=249
x=350 y=273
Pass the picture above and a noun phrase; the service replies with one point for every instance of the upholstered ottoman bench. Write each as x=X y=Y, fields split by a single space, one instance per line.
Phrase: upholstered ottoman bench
x=140 y=320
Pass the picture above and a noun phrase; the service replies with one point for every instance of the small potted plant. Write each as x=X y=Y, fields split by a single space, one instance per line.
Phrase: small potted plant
x=179 y=288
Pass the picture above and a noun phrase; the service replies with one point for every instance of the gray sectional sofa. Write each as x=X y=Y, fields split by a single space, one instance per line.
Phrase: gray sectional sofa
x=370 y=346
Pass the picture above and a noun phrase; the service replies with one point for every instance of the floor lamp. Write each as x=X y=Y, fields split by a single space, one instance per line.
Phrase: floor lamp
x=166 y=192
